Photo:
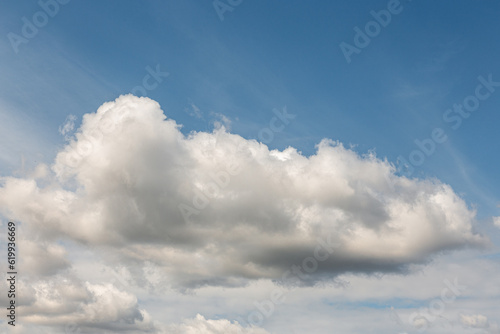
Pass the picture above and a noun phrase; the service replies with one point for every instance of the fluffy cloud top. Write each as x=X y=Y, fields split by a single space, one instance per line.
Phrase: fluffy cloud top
x=217 y=209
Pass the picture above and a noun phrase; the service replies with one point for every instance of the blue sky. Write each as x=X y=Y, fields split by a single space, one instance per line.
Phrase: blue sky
x=263 y=56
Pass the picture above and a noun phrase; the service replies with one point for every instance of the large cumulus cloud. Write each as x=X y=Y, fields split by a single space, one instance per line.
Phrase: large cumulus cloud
x=217 y=209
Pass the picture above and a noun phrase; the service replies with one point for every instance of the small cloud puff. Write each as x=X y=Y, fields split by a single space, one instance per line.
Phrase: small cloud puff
x=474 y=321
x=68 y=125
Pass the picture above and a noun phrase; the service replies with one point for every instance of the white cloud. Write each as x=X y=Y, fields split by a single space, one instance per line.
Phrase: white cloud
x=68 y=126
x=474 y=320
x=496 y=221
x=200 y=325
x=41 y=171
x=42 y=258
x=194 y=111
x=221 y=121
x=61 y=302
x=231 y=208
